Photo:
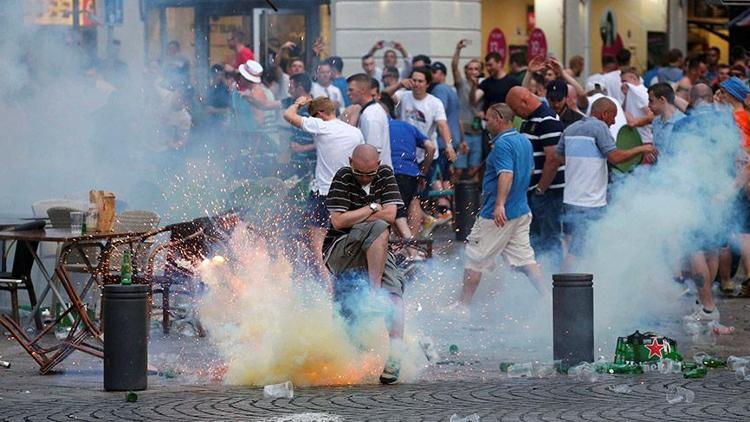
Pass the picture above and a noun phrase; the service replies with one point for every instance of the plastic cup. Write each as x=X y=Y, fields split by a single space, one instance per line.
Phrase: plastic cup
x=276 y=391
x=76 y=222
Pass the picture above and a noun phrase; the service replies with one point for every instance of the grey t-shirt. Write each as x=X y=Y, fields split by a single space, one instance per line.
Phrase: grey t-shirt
x=467 y=110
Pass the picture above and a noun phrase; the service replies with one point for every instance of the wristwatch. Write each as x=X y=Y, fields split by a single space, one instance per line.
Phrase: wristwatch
x=373 y=207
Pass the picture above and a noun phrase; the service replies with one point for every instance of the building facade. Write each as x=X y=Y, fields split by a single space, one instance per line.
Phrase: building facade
x=589 y=28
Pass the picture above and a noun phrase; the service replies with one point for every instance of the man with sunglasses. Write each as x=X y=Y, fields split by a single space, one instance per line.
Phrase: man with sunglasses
x=362 y=202
x=334 y=141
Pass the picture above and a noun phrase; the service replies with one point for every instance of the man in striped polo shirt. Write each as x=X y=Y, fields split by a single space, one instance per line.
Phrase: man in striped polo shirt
x=362 y=202
x=586 y=146
x=543 y=128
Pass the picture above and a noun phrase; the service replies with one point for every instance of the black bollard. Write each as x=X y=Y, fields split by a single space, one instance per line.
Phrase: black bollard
x=573 y=318
x=467 y=195
x=125 y=337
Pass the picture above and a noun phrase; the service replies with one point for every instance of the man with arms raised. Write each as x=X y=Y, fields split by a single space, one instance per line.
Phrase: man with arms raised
x=334 y=141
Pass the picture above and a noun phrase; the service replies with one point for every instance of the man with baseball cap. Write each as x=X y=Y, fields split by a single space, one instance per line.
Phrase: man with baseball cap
x=557 y=96
x=735 y=93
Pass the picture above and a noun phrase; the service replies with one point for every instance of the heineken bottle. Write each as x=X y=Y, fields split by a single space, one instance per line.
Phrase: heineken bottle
x=126 y=269
x=620 y=368
x=713 y=362
x=698 y=372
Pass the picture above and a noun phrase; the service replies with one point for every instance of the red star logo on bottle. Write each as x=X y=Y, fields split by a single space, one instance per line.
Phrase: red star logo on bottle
x=655 y=349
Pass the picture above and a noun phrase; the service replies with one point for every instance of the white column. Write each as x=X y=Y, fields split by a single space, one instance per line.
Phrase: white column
x=431 y=27
x=577 y=34
x=549 y=18
x=677 y=24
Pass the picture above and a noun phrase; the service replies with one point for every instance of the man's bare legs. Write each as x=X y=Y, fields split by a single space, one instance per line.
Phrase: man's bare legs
x=402 y=226
x=705 y=265
x=535 y=275
x=376 y=256
x=725 y=268
x=471 y=282
x=472 y=279
x=317 y=236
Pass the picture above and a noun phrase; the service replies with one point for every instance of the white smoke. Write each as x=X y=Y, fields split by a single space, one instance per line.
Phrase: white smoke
x=657 y=217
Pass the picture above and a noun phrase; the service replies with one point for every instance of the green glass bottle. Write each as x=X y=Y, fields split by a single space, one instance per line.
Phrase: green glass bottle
x=126 y=269
x=695 y=373
x=453 y=349
x=713 y=362
x=620 y=368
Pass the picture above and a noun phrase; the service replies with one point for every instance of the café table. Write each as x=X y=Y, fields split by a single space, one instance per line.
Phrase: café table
x=83 y=327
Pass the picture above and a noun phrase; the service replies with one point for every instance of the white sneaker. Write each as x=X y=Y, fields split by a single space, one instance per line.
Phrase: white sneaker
x=702 y=316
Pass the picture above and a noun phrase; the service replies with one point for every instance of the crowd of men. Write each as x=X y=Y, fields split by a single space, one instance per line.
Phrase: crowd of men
x=541 y=141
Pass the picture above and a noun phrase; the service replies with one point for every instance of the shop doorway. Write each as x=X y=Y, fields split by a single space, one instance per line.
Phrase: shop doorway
x=274 y=29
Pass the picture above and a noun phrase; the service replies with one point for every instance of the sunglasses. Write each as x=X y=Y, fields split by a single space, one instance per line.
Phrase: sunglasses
x=371 y=174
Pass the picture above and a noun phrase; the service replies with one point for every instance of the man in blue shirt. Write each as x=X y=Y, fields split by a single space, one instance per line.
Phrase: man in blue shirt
x=505 y=218
x=405 y=138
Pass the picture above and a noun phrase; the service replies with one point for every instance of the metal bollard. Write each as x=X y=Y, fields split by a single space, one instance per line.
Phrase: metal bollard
x=125 y=337
x=573 y=318
x=467 y=196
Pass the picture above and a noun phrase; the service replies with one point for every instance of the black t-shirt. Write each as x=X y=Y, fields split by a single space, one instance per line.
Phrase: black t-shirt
x=495 y=90
x=569 y=116
x=346 y=194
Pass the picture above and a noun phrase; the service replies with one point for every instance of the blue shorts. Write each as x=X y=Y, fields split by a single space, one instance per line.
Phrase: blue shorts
x=576 y=221
x=316 y=213
x=473 y=158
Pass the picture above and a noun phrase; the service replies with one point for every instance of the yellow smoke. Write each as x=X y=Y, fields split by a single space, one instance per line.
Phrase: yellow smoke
x=270 y=328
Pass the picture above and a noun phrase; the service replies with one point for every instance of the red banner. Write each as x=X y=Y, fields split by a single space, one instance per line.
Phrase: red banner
x=496 y=44
x=537 y=44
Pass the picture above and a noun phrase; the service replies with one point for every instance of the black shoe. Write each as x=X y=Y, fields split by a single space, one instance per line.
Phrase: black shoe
x=390 y=372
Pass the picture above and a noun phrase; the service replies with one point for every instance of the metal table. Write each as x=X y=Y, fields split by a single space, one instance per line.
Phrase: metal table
x=82 y=327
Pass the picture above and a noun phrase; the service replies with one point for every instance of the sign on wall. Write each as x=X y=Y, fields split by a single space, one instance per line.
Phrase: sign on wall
x=496 y=44
x=537 y=45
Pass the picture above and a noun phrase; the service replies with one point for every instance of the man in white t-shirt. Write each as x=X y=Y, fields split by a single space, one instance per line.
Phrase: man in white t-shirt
x=323 y=87
x=373 y=120
x=427 y=113
x=421 y=109
x=334 y=142
x=611 y=78
x=635 y=104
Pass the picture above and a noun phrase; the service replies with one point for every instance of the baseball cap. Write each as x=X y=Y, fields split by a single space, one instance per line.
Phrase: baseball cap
x=736 y=88
x=251 y=70
x=557 y=90
x=439 y=66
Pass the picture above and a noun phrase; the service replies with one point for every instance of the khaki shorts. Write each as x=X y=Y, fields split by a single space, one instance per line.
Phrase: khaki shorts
x=349 y=252
x=486 y=241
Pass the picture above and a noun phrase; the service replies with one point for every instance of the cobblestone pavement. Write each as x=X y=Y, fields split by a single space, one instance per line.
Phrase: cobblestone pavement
x=75 y=393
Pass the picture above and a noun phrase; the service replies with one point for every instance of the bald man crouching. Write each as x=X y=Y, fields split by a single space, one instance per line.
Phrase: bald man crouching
x=362 y=202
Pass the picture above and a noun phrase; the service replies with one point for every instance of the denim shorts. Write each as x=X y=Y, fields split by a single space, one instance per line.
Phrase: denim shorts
x=576 y=221
x=473 y=158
